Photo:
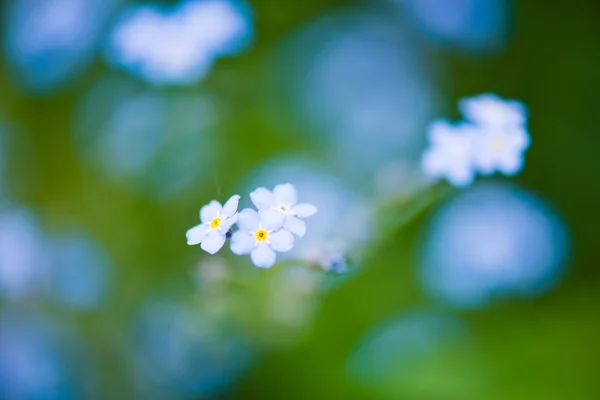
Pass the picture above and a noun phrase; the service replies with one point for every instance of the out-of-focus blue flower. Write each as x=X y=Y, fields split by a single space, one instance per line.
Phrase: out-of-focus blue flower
x=450 y=154
x=179 y=45
x=180 y=352
x=49 y=41
x=80 y=270
x=34 y=363
x=472 y=25
x=160 y=144
x=493 y=240
x=400 y=358
x=23 y=253
x=344 y=218
x=361 y=87
x=3 y=154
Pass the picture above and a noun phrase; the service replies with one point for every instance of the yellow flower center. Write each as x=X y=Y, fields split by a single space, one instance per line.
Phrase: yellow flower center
x=261 y=235
x=497 y=144
x=283 y=208
x=215 y=223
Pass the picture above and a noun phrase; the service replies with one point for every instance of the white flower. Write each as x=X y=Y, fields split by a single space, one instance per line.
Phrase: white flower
x=178 y=45
x=499 y=148
x=261 y=236
x=491 y=110
x=283 y=199
x=450 y=153
x=216 y=222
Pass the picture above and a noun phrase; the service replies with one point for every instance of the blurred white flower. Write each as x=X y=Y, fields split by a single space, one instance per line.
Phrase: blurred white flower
x=261 y=236
x=490 y=110
x=493 y=138
x=178 y=46
x=501 y=149
x=450 y=153
x=284 y=200
x=216 y=220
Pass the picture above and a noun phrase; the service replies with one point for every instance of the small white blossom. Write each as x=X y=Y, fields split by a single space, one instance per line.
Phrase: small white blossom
x=499 y=149
x=178 y=45
x=283 y=200
x=261 y=236
x=216 y=220
x=450 y=153
x=491 y=110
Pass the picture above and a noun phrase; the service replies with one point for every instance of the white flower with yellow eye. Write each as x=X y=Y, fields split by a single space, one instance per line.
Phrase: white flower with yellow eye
x=449 y=154
x=216 y=220
x=261 y=236
x=283 y=200
x=499 y=149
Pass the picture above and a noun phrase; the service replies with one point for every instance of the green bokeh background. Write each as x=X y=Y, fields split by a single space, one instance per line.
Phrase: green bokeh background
x=543 y=348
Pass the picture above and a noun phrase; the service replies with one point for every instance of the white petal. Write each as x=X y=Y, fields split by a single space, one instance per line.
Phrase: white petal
x=210 y=212
x=227 y=223
x=460 y=177
x=196 y=234
x=270 y=219
x=242 y=243
x=285 y=194
x=511 y=164
x=248 y=220
x=262 y=198
x=262 y=256
x=281 y=240
x=304 y=210
x=230 y=207
x=438 y=130
x=213 y=242
x=295 y=225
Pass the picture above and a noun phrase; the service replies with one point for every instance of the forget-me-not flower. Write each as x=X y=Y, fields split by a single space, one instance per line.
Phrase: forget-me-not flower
x=216 y=220
x=283 y=200
x=261 y=236
x=450 y=153
x=499 y=149
x=178 y=45
x=491 y=110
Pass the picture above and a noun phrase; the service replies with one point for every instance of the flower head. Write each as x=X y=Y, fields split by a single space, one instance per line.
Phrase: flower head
x=261 y=236
x=283 y=200
x=491 y=110
x=178 y=45
x=216 y=220
x=449 y=154
x=501 y=149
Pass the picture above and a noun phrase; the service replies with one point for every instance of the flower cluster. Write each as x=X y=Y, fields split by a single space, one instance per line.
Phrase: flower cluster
x=261 y=232
x=178 y=45
x=493 y=138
